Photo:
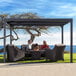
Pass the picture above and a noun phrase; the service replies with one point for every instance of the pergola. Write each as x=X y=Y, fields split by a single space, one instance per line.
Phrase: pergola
x=13 y=22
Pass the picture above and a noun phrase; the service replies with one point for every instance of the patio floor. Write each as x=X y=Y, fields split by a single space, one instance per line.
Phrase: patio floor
x=39 y=69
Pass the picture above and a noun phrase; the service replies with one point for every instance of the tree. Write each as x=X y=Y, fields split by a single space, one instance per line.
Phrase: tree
x=29 y=16
x=37 y=29
x=2 y=17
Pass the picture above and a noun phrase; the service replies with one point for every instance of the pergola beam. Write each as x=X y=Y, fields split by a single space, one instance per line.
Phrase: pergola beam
x=37 y=24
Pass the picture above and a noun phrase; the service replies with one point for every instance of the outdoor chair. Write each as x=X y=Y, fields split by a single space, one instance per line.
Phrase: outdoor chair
x=55 y=54
x=59 y=52
x=14 y=53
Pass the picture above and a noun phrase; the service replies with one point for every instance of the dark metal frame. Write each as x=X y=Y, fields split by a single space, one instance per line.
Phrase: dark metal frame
x=41 y=22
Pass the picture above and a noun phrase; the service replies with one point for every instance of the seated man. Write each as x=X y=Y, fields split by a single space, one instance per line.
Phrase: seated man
x=44 y=46
x=29 y=46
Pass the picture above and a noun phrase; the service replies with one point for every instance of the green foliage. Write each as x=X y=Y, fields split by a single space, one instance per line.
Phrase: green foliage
x=26 y=16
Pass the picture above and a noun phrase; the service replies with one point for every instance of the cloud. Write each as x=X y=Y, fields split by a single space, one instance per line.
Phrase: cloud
x=63 y=10
x=8 y=1
x=23 y=10
x=4 y=3
x=42 y=7
x=51 y=38
x=15 y=6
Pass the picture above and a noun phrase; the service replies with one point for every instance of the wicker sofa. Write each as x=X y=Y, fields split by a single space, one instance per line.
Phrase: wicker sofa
x=57 y=53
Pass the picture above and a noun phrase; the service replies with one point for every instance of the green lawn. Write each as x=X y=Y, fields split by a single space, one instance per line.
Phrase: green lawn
x=1 y=58
x=66 y=59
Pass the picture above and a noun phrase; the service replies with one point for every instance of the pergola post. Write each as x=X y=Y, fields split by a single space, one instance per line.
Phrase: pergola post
x=4 y=42
x=10 y=35
x=71 y=41
x=62 y=34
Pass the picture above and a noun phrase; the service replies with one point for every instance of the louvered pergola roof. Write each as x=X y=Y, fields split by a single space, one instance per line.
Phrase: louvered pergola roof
x=38 y=22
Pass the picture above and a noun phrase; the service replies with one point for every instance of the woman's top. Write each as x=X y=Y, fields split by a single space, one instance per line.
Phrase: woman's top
x=44 y=46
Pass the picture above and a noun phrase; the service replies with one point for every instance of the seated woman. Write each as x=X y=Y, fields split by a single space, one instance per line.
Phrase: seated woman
x=35 y=47
x=44 y=46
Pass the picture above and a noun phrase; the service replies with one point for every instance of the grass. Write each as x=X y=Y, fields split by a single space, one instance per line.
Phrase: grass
x=66 y=59
x=1 y=58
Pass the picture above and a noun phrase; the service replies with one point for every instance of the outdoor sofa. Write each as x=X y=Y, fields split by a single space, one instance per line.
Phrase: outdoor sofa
x=15 y=54
x=55 y=54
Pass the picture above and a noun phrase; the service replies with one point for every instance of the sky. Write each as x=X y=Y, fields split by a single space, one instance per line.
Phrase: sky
x=46 y=9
